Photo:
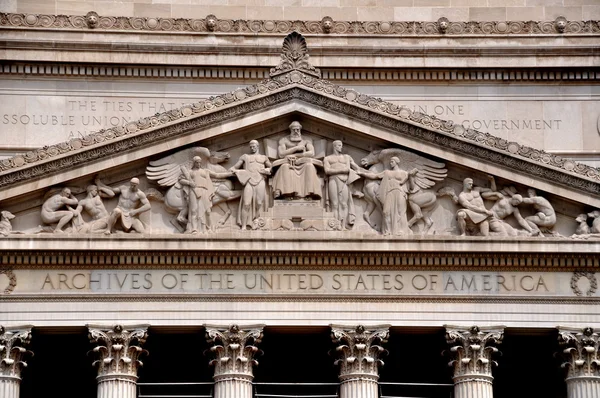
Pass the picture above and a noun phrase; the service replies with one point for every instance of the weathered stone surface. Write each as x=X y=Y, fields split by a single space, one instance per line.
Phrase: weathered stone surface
x=13 y=353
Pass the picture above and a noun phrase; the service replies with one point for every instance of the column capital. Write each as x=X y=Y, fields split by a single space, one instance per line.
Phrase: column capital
x=118 y=349
x=580 y=351
x=472 y=349
x=233 y=349
x=359 y=350
x=13 y=343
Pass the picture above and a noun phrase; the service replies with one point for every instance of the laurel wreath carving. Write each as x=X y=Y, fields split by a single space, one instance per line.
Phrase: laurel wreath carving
x=12 y=280
x=590 y=277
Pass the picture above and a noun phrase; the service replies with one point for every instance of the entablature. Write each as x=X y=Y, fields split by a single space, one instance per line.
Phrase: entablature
x=166 y=41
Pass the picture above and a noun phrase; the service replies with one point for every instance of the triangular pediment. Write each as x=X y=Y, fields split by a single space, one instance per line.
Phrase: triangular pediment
x=328 y=112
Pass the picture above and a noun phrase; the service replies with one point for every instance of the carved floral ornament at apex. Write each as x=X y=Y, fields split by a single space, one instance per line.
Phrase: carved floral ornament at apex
x=327 y=25
x=295 y=181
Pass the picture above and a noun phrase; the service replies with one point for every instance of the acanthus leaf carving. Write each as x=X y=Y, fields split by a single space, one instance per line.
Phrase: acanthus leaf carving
x=471 y=350
x=118 y=349
x=210 y=24
x=359 y=349
x=233 y=350
x=580 y=352
x=13 y=350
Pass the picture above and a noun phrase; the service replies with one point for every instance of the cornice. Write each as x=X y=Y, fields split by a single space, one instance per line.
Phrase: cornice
x=256 y=74
x=297 y=86
x=472 y=48
x=327 y=26
x=304 y=298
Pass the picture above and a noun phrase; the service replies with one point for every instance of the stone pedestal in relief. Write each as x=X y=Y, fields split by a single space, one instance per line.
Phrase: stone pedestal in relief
x=472 y=349
x=358 y=354
x=233 y=349
x=13 y=343
x=118 y=349
x=581 y=361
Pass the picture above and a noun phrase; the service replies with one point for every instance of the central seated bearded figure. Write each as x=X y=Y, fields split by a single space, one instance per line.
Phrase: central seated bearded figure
x=297 y=175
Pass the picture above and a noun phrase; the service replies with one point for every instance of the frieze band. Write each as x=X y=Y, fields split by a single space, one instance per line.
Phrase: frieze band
x=303 y=260
x=211 y=24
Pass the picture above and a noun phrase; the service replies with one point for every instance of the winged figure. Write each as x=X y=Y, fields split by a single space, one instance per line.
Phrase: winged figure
x=421 y=200
x=169 y=171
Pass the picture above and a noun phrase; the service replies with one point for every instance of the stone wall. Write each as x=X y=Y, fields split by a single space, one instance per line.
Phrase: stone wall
x=350 y=10
x=35 y=113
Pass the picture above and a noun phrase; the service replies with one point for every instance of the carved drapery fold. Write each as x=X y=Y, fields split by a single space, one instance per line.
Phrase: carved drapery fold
x=13 y=343
x=580 y=351
x=358 y=354
x=118 y=349
x=233 y=349
x=471 y=350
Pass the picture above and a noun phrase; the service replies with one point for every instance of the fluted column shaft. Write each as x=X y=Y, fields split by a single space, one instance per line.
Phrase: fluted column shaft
x=473 y=386
x=582 y=361
x=233 y=349
x=117 y=386
x=13 y=343
x=583 y=387
x=359 y=387
x=233 y=386
x=358 y=354
x=471 y=350
x=118 y=349
x=10 y=386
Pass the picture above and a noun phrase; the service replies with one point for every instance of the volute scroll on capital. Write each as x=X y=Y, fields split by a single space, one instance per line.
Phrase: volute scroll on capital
x=580 y=351
x=471 y=349
x=359 y=348
x=233 y=349
x=13 y=350
x=118 y=348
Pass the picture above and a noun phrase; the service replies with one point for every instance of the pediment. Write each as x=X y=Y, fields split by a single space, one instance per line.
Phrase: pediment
x=328 y=112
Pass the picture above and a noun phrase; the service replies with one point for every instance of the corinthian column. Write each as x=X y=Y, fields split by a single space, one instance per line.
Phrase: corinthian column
x=13 y=341
x=358 y=353
x=233 y=348
x=582 y=361
x=472 y=350
x=117 y=349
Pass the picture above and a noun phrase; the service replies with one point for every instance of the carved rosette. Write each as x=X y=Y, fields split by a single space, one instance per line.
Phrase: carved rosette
x=13 y=343
x=118 y=350
x=472 y=350
x=581 y=361
x=233 y=349
x=358 y=355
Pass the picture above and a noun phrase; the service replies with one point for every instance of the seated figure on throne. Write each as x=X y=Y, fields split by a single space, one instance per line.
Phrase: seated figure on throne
x=297 y=175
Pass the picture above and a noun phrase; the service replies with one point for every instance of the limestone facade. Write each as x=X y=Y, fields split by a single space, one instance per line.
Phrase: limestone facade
x=428 y=171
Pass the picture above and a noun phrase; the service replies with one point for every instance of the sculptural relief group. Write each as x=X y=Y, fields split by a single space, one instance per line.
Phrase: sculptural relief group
x=301 y=184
